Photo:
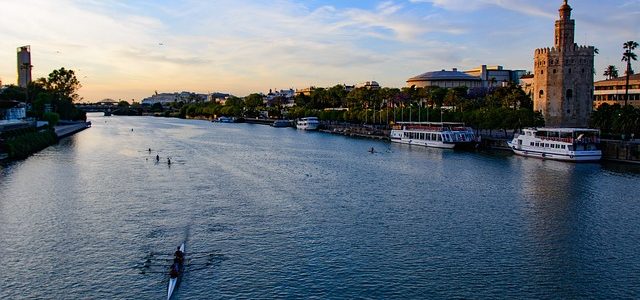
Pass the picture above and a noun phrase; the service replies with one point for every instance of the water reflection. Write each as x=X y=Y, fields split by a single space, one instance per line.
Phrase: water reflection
x=557 y=201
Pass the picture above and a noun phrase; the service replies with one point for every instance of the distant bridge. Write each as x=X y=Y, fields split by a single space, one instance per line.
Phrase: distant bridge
x=97 y=107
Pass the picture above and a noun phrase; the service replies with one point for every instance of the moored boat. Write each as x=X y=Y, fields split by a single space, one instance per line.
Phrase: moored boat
x=446 y=135
x=281 y=123
x=564 y=144
x=224 y=119
x=175 y=278
x=308 y=123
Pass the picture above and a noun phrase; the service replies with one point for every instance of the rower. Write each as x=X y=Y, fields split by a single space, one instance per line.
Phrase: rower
x=157 y=158
x=174 y=270
x=179 y=256
x=168 y=160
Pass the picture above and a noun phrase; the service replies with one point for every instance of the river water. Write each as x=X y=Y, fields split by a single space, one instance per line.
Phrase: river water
x=279 y=213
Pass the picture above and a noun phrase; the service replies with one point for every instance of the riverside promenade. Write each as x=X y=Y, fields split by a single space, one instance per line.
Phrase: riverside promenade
x=67 y=129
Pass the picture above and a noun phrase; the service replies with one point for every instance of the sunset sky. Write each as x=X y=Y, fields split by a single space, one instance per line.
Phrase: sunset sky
x=129 y=49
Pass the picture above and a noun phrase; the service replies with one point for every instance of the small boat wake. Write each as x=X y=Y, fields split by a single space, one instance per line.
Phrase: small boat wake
x=175 y=267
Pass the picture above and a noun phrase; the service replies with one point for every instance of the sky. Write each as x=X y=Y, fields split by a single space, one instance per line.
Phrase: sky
x=130 y=49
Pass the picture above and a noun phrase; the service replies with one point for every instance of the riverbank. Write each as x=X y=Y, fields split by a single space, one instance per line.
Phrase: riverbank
x=69 y=128
x=24 y=142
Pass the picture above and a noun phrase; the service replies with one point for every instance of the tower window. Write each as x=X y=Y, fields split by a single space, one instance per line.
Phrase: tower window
x=569 y=70
x=554 y=71
x=569 y=93
x=541 y=94
x=541 y=72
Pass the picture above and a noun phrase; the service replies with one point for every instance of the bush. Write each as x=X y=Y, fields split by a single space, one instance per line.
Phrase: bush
x=22 y=146
x=52 y=118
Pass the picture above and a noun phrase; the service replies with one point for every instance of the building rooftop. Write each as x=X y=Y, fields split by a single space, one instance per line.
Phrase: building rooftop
x=444 y=75
x=618 y=80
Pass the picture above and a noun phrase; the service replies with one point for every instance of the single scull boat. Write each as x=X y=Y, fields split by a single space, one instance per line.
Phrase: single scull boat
x=173 y=281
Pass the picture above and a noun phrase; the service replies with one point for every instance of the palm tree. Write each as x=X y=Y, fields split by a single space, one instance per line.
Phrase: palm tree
x=628 y=56
x=611 y=72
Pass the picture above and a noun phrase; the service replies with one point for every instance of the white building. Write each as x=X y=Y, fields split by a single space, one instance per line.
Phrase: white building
x=371 y=85
x=13 y=110
x=288 y=97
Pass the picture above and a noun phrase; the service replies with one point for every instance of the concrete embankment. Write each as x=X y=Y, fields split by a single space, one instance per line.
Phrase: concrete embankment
x=67 y=129
x=368 y=132
x=622 y=151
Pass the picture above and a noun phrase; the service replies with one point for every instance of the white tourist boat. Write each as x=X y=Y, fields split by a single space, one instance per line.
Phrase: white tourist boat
x=308 y=123
x=565 y=144
x=447 y=135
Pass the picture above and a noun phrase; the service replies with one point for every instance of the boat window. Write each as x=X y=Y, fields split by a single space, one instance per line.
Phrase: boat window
x=570 y=147
x=564 y=147
x=533 y=144
x=546 y=145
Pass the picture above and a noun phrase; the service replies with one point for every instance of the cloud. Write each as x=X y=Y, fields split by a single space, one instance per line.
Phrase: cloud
x=519 y=6
x=128 y=49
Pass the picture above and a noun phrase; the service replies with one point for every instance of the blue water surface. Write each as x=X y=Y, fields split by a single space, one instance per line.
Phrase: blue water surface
x=275 y=213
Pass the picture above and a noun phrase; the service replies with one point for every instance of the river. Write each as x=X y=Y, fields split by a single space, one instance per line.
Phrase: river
x=280 y=213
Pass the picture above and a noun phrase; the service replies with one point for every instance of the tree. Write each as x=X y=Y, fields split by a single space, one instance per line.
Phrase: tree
x=611 y=72
x=64 y=84
x=628 y=56
x=252 y=102
x=13 y=92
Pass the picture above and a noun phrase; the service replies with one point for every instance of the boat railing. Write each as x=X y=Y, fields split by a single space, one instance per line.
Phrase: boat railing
x=425 y=128
x=584 y=140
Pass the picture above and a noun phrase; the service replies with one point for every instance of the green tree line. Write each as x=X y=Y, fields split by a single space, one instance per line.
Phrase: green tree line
x=616 y=121
x=506 y=107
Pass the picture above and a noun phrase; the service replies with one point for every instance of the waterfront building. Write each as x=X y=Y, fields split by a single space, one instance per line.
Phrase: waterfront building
x=12 y=110
x=370 y=85
x=480 y=77
x=305 y=91
x=493 y=76
x=218 y=97
x=285 y=97
x=445 y=79
x=24 y=66
x=612 y=91
x=563 y=77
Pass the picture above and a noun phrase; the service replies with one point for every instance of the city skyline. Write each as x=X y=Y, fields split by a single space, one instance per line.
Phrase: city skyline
x=130 y=49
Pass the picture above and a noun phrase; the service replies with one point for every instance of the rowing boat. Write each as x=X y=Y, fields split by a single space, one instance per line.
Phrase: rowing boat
x=173 y=282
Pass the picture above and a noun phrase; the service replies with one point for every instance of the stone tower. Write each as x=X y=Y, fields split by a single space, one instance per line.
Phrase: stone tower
x=563 y=77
